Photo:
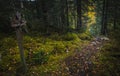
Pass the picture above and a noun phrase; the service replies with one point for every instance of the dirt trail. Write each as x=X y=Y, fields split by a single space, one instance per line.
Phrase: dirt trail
x=81 y=64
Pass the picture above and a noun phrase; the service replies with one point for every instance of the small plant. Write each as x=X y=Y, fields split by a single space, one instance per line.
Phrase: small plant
x=58 y=49
x=55 y=36
x=40 y=57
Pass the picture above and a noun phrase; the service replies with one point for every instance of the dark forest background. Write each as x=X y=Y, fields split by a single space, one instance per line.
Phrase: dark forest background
x=55 y=27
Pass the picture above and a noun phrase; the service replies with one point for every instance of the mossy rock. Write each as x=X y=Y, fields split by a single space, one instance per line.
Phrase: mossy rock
x=84 y=36
x=70 y=36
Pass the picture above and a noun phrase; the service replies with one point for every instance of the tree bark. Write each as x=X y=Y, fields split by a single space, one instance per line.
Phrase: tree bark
x=67 y=12
x=115 y=14
x=104 y=18
x=79 y=14
x=21 y=49
x=62 y=14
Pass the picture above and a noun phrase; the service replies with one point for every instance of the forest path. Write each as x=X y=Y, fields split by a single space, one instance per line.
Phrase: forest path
x=80 y=64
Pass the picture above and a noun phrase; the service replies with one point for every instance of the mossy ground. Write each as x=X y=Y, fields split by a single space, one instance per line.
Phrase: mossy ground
x=52 y=49
x=107 y=60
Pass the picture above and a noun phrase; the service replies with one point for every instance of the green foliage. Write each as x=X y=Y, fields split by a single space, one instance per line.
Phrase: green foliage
x=56 y=36
x=7 y=42
x=70 y=36
x=46 y=52
x=95 y=29
x=10 y=55
x=40 y=57
x=114 y=34
x=107 y=46
x=58 y=49
x=85 y=36
x=107 y=62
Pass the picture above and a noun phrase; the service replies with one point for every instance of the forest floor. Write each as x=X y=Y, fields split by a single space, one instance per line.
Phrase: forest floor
x=65 y=56
x=81 y=63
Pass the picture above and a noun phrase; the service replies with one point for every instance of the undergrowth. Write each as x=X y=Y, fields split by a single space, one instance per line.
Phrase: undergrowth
x=107 y=61
x=43 y=54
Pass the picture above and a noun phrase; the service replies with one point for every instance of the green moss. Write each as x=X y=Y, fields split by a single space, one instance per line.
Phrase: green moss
x=45 y=52
x=40 y=57
x=108 y=60
x=84 y=36
x=59 y=48
x=70 y=36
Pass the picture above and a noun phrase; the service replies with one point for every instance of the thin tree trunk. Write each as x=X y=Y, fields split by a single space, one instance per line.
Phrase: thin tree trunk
x=115 y=14
x=67 y=13
x=104 y=18
x=21 y=49
x=44 y=13
x=79 y=14
x=63 y=19
x=38 y=8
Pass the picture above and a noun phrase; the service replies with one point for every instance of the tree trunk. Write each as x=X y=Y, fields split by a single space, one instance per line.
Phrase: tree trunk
x=115 y=14
x=44 y=13
x=67 y=12
x=62 y=14
x=79 y=14
x=104 y=18
x=20 y=45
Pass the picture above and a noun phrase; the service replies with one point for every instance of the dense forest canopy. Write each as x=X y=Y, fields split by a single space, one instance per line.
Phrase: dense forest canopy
x=49 y=32
x=61 y=14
